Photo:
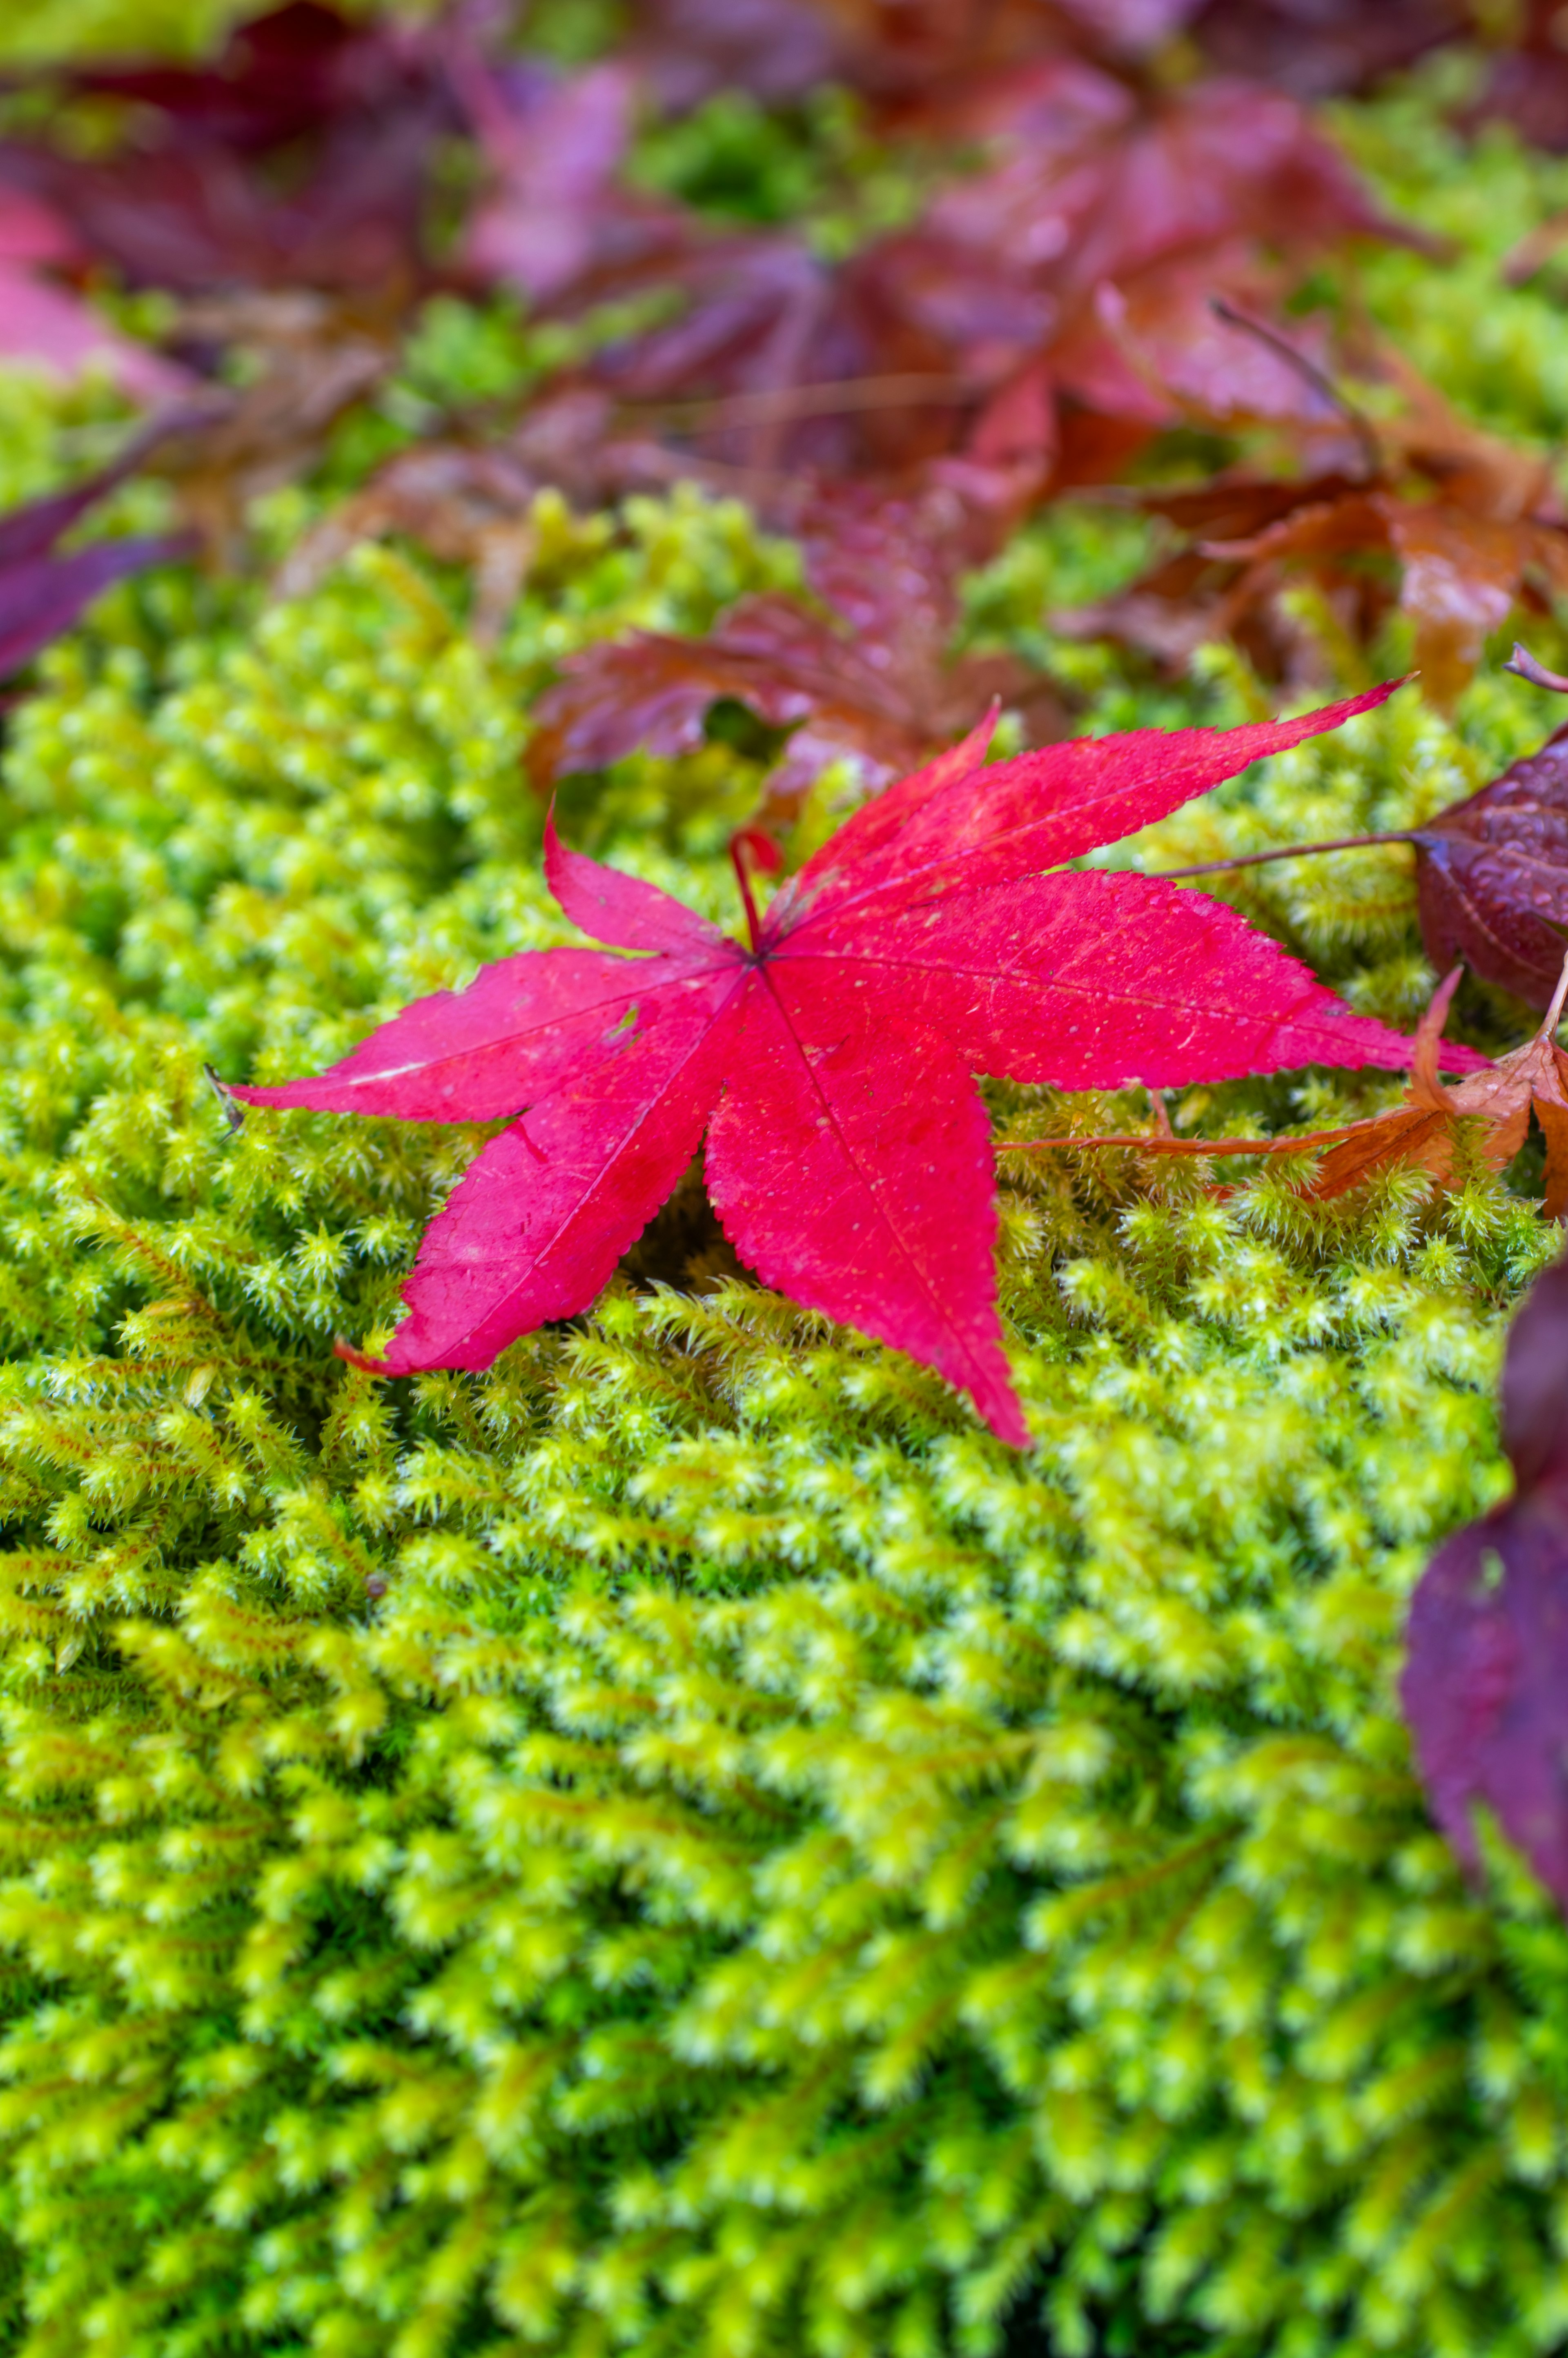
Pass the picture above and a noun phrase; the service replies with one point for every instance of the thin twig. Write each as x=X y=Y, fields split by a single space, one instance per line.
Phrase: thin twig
x=1152 y=1143
x=1286 y=851
x=1360 y=425
x=845 y=394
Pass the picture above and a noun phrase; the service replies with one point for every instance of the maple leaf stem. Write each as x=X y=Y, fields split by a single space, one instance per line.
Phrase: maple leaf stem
x=1524 y=666
x=738 y=847
x=840 y=395
x=1163 y=1143
x=1553 y=1014
x=1360 y=425
x=1286 y=851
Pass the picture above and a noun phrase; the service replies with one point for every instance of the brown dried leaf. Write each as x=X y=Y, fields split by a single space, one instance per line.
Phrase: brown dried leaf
x=1470 y=525
x=1423 y=1129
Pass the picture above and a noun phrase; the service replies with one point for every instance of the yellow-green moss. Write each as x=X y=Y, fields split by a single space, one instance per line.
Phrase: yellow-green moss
x=684 y=1843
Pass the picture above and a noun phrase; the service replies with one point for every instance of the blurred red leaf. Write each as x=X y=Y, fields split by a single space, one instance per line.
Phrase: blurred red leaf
x=554 y=210
x=189 y=200
x=278 y=77
x=1492 y=875
x=43 y=592
x=45 y=322
x=686 y=51
x=1528 y=84
x=873 y=683
x=1469 y=523
x=1486 y=1649
x=1071 y=275
x=1316 y=48
x=204 y=221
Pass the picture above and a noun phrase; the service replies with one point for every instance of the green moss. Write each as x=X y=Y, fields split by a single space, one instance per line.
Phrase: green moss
x=684 y=1843
x=1496 y=351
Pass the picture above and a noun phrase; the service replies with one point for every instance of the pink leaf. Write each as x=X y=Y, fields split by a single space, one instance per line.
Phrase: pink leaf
x=49 y=325
x=611 y=906
x=1026 y=979
x=989 y=826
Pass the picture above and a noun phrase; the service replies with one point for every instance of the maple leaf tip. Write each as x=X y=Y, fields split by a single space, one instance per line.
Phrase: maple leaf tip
x=231 y=1113
x=342 y=1349
x=1005 y=1418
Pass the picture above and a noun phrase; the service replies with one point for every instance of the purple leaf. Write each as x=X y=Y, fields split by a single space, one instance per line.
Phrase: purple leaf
x=1485 y=1680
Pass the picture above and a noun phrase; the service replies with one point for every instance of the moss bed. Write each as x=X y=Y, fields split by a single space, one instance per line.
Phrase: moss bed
x=684 y=1843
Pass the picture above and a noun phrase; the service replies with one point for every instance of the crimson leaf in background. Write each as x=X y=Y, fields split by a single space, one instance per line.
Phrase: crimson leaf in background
x=42 y=593
x=872 y=683
x=1487 y=1669
x=1492 y=876
x=830 y=1063
x=193 y=201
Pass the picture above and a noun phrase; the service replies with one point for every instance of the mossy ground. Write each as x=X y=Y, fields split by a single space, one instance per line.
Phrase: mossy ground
x=684 y=1843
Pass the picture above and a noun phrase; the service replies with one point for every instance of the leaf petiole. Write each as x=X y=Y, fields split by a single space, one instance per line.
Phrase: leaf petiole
x=1286 y=851
x=765 y=853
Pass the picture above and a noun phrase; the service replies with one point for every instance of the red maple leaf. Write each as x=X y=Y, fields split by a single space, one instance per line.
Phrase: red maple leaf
x=829 y=1060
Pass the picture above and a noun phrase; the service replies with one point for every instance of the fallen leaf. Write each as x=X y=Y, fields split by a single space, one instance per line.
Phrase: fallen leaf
x=1068 y=278
x=193 y=199
x=1528 y=84
x=1486 y=1646
x=1089 y=252
x=42 y=592
x=1499 y=1099
x=47 y=324
x=686 y=51
x=1128 y=29
x=739 y=314
x=1492 y=876
x=1320 y=49
x=204 y=223
x=872 y=684
x=278 y=77
x=1461 y=571
x=829 y=1061
x=554 y=210
x=1470 y=523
